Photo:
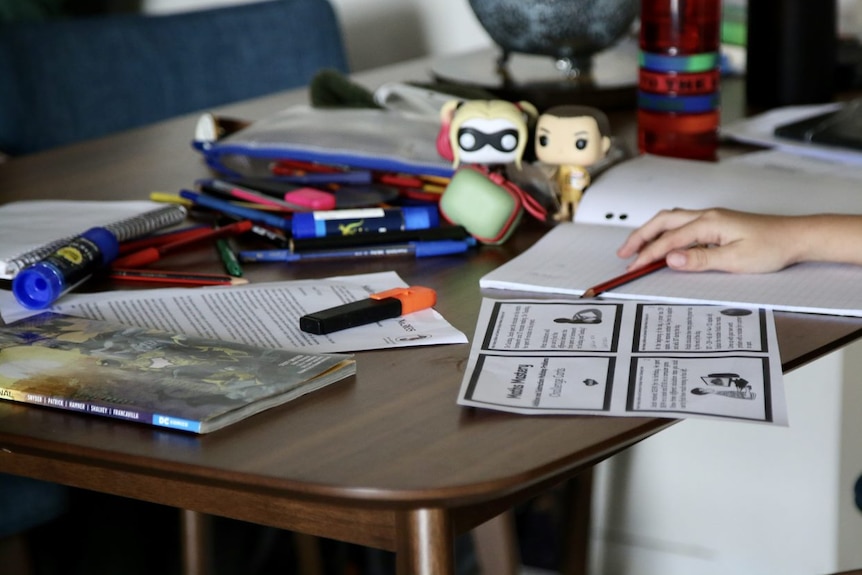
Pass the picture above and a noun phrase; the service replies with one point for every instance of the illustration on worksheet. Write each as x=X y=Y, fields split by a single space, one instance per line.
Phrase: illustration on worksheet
x=736 y=387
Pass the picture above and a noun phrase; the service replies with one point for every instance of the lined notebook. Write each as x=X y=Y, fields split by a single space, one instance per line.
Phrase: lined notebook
x=571 y=258
x=32 y=230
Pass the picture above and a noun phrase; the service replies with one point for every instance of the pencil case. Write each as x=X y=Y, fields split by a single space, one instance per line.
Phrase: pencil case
x=486 y=204
x=355 y=139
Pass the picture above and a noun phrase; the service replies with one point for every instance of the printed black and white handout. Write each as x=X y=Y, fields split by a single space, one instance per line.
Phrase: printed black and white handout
x=625 y=358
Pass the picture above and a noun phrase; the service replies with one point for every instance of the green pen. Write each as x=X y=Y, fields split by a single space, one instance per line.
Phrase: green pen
x=228 y=258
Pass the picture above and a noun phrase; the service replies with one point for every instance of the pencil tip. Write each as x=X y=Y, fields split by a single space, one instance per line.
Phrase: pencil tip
x=238 y=281
x=588 y=294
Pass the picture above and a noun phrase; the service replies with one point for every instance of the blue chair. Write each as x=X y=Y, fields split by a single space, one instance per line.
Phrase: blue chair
x=24 y=505
x=70 y=79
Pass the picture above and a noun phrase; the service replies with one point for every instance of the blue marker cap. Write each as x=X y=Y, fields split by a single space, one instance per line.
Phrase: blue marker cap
x=420 y=217
x=41 y=284
x=38 y=286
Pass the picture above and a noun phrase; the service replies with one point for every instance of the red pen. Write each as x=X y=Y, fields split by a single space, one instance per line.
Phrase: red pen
x=164 y=238
x=379 y=306
x=147 y=256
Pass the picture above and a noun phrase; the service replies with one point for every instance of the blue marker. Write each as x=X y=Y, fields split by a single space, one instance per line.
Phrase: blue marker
x=329 y=223
x=414 y=249
x=39 y=285
x=230 y=209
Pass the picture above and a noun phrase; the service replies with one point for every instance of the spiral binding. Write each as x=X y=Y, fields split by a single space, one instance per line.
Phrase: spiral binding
x=147 y=223
x=125 y=229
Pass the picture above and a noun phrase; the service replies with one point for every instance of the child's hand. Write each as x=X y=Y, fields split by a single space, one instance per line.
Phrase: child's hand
x=717 y=239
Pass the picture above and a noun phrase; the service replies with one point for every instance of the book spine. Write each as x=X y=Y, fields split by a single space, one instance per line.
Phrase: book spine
x=115 y=411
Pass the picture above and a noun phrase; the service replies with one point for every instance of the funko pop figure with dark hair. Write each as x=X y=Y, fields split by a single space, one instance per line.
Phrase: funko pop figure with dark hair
x=572 y=138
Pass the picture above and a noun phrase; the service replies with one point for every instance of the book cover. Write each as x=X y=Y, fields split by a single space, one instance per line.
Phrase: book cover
x=152 y=377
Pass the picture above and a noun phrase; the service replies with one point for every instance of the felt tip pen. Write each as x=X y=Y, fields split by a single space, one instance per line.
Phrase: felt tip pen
x=377 y=307
x=227 y=208
x=228 y=258
x=414 y=249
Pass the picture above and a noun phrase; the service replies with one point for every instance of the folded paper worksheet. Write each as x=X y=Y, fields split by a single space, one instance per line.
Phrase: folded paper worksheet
x=586 y=357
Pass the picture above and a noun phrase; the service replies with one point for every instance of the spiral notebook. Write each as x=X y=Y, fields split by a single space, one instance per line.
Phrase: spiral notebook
x=32 y=230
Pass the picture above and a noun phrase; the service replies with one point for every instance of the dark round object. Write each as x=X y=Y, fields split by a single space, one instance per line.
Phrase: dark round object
x=568 y=30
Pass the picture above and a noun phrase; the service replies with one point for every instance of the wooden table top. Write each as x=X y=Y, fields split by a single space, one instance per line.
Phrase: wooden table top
x=390 y=436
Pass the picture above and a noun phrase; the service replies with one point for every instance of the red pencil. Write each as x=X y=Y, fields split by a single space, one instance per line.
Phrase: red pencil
x=624 y=279
x=172 y=277
x=163 y=238
x=149 y=255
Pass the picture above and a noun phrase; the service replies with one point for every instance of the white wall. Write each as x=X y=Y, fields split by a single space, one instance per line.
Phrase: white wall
x=714 y=498
x=378 y=32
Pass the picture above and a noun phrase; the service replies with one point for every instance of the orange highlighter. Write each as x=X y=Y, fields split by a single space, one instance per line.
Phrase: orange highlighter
x=379 y=306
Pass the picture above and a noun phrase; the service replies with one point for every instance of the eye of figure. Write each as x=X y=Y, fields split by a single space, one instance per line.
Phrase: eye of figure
x=543 y=140
x=581 y=143
x=467 y=140
x=509 y=141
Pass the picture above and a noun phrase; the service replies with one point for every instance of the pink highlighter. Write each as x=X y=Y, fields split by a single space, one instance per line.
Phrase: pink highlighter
x=311 y=198
x=300 y=199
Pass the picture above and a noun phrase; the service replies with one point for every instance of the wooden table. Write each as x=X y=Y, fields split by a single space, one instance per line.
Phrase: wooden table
x=385 y=459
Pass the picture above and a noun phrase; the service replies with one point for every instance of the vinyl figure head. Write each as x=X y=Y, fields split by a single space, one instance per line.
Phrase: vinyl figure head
x=487 y=132
x=572 y=135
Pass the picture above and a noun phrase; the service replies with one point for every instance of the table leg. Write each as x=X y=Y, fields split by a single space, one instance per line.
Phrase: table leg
x=195 y=538
x=425 y=543
x=496 y=543
x=577 y=514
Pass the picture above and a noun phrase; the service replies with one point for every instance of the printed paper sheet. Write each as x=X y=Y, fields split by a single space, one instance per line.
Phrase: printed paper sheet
x=625 y=359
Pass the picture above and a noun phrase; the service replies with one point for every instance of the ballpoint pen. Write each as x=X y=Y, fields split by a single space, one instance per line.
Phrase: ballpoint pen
x=232 y=210
x=414 y=249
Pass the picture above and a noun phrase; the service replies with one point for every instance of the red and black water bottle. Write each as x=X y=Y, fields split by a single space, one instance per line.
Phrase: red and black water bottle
x=678 y=86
